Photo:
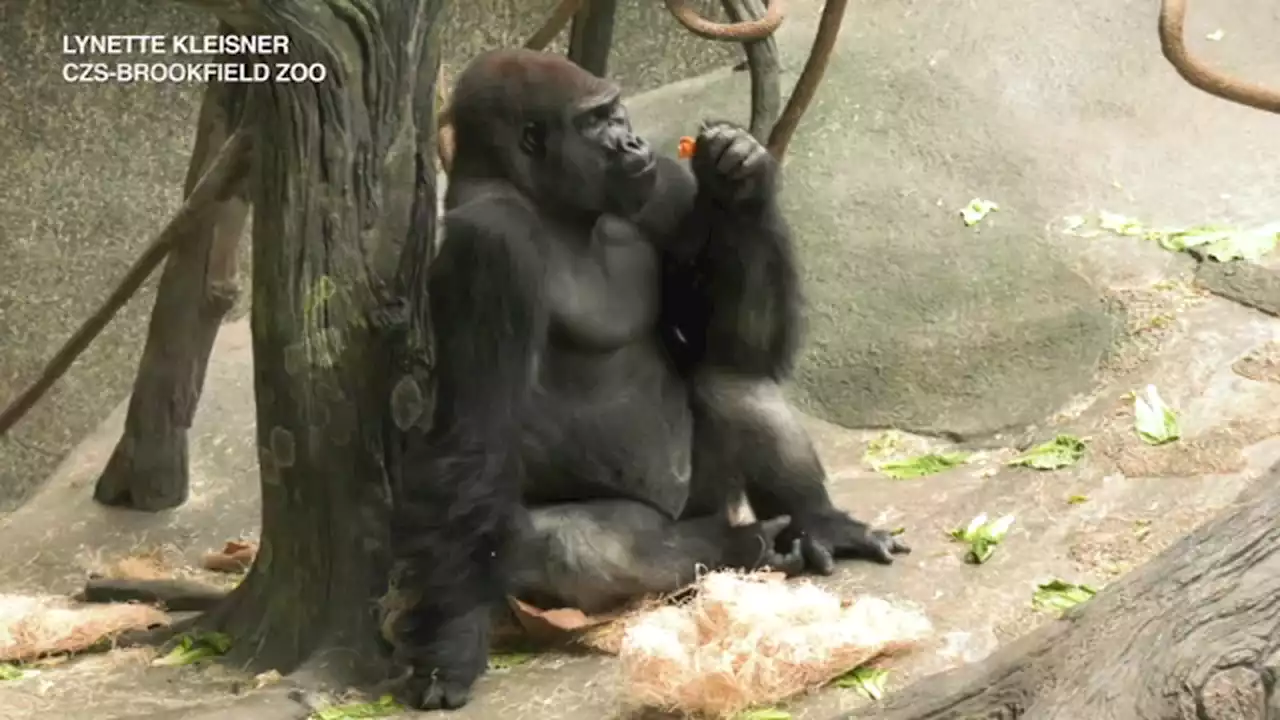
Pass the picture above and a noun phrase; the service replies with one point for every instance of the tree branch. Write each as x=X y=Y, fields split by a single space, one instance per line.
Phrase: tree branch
x=591 y=36
x=557 y=22
x=1172 y=15
x=726 y=32
x=221 y=181
x=762 y=63
x=807 y=85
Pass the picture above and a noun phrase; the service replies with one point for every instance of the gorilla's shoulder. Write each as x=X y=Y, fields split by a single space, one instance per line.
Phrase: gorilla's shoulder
x=487 y=204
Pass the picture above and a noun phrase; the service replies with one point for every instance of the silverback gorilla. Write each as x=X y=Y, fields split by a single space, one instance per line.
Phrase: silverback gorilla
x=611 y=332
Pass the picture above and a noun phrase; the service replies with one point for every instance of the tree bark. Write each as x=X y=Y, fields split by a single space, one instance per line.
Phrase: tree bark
x=344 y=220
x=148 y=468
x=1194 y=634
x=591 y=36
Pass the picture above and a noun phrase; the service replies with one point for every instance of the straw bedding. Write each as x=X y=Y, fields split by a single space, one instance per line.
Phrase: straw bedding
x=745 y=640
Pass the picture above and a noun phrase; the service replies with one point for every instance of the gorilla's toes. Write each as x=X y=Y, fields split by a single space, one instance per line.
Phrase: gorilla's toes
x=792 y=562
x=437 y=694
x=882 y=545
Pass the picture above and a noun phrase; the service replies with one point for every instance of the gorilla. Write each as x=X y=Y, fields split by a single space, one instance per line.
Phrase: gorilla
x=612 y=329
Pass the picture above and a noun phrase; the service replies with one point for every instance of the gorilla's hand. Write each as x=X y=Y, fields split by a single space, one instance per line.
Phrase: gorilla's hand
x=447 y=668
x=830 y=534
x=732 y=165
x=754 y=546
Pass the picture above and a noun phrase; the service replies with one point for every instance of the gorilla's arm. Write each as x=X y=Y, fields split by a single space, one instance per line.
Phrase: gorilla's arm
x=462 y=480
x=731 y=290
x=734 y=306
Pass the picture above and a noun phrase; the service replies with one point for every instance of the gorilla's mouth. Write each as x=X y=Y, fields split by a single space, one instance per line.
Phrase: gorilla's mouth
x=637 y=166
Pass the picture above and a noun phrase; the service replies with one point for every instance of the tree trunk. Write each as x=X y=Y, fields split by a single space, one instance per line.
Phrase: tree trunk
x=1194 y=634
x=591 y=36
x=148 y=469
x=344 y=221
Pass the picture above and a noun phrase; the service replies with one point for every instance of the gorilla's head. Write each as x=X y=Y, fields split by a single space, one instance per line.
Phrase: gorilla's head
x=552 y=129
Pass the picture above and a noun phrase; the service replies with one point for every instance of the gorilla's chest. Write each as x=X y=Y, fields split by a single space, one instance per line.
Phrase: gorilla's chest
x=602 y=285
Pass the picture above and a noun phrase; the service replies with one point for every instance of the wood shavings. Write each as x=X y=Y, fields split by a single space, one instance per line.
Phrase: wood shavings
x=35 y=626
x=236 y=556
x=749 y=640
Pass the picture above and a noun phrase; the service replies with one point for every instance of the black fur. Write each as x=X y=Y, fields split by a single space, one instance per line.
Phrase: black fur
x=611 y=332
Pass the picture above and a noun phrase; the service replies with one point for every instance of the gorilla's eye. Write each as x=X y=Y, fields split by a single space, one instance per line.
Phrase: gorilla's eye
x=533 y=138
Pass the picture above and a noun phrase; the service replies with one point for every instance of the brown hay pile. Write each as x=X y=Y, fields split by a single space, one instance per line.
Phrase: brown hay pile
x=747 y=640
x=32 y=627
x=139 y=567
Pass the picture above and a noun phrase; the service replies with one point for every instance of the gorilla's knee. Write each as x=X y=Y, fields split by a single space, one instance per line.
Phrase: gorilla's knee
x=741 y=413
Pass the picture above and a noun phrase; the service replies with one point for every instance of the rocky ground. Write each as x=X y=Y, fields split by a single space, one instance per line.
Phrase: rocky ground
x=1214 y=361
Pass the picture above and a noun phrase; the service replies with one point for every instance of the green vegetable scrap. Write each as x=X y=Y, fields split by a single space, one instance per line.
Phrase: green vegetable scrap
x=385 y=706
x=506 y=661
x=764 y=714
x=976 y=210
x=194 y=649
x=1077 y=499
x=922 y=465
x=1121 y=225
x=1141 y=529
x=9 y=671
x=1220 y=243
x=1058 y=453
x=1225 y=244
x=869 y=681
x=883 y=447
x=1155 y=422
x=1059 y=595
x=983 y=536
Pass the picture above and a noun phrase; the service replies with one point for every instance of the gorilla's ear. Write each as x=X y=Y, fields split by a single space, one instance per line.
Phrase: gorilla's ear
x=533 y=140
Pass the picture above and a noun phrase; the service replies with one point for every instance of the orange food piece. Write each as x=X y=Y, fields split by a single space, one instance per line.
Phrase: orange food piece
x=687 y=146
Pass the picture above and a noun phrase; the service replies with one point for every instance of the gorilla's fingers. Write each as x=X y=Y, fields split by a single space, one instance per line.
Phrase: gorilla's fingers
x=757 y=157
x=444 y=696
x=718 y=146
x=881 y=546
x=735 y=156
x=898 y=547
x=817 y=557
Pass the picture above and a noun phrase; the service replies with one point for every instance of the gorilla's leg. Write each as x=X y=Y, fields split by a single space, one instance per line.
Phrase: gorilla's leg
x=748 y=436
x=596 y=555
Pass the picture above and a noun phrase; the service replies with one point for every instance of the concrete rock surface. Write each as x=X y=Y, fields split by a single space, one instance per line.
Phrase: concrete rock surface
x=1047 y=109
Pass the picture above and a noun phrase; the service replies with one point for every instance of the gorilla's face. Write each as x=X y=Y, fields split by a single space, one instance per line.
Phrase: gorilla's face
x=596 y=163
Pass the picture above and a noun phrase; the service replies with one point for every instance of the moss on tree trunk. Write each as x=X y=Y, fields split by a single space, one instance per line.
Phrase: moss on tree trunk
x=343 y=193
x=1194 y=634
